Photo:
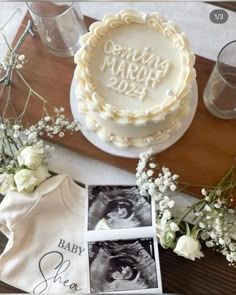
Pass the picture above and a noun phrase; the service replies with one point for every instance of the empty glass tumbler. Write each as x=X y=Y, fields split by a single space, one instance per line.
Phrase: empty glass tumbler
x=59 y=24
x=220 y=92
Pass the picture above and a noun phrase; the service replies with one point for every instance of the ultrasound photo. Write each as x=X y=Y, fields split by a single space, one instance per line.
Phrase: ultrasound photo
x=122 y=265
x=118 y=207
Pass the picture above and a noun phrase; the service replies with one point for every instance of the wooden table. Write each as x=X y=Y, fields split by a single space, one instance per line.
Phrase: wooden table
x=202 y=155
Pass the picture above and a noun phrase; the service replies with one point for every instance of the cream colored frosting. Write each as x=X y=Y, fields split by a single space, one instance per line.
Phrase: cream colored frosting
x=134 y=74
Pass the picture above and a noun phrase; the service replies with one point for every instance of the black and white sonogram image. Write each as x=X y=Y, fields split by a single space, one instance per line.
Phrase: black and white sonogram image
x=122 y=265
x=117 y=207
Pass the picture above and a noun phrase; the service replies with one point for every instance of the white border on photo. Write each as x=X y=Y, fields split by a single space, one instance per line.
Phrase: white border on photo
x=111 y=234
x=127 y=234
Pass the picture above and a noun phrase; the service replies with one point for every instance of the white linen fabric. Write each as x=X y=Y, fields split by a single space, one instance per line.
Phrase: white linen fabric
x=46 y=249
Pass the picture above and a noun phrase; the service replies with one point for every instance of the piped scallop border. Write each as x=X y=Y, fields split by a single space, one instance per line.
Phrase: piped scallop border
x=95 y=102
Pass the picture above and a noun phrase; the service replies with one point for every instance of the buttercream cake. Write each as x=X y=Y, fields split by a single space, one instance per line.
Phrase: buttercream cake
x=134 y=74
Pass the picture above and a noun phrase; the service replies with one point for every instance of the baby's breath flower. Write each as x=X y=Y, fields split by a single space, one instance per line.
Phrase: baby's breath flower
x=210 y=244
x=19 y=66
x=47 y=118
x=173 y=187
x=21 y=57
x=152 y=165
x=204 y=192
x=174 y=226
x=202 y=225
x=207 y=208
x=207 y=198
x=150 y=173
x=16 y=127
x=232 y=247
x=217 y=205
x=166 y=182
x=16 y=134
x=214 y=222
x=166 y=215
x=175 y=176
x=157 y=181
x=171 y=204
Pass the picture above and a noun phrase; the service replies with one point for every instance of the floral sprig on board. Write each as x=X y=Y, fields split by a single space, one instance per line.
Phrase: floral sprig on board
x=23 y=156
x=212 y=220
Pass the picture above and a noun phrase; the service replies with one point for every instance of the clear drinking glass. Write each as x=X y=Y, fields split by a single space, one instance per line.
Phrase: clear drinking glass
x=220 y=92
x=60 y=25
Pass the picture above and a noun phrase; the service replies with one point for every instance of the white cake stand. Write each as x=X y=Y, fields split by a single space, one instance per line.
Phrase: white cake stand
x=132 y=152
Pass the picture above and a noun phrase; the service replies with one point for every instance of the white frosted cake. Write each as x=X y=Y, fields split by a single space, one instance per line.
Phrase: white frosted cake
x=134 y=74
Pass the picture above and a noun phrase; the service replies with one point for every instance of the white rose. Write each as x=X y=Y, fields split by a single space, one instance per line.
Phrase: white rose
x=165 y=235
x=30 y=156
x=160 y=233
x=7 y=183
x=188 y=247
x=25 y=180
x=41 y=173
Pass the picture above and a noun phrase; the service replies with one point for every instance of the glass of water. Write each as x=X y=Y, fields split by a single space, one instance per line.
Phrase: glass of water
x=59 y=24
x=220 y=92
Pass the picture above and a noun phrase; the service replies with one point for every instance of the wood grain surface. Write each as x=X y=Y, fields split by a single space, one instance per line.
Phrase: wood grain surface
x=202 y=155
x=231 y=5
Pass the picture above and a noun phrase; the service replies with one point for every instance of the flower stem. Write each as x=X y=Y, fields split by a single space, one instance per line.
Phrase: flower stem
x=190 y=209
x=25 y=106
x=10 y=18
x=196 y=185
x=10 y=147
x=34 y=92
x=212 y=193
x=7 y=102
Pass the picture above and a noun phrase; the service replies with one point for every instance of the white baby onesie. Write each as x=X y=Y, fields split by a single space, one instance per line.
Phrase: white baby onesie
x=46 y=250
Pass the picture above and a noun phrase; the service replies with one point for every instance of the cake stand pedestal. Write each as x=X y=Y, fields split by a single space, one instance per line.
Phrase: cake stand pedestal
x=132 y=152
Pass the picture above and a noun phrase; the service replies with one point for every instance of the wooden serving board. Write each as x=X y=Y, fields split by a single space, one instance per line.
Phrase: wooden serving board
x=202 y=156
